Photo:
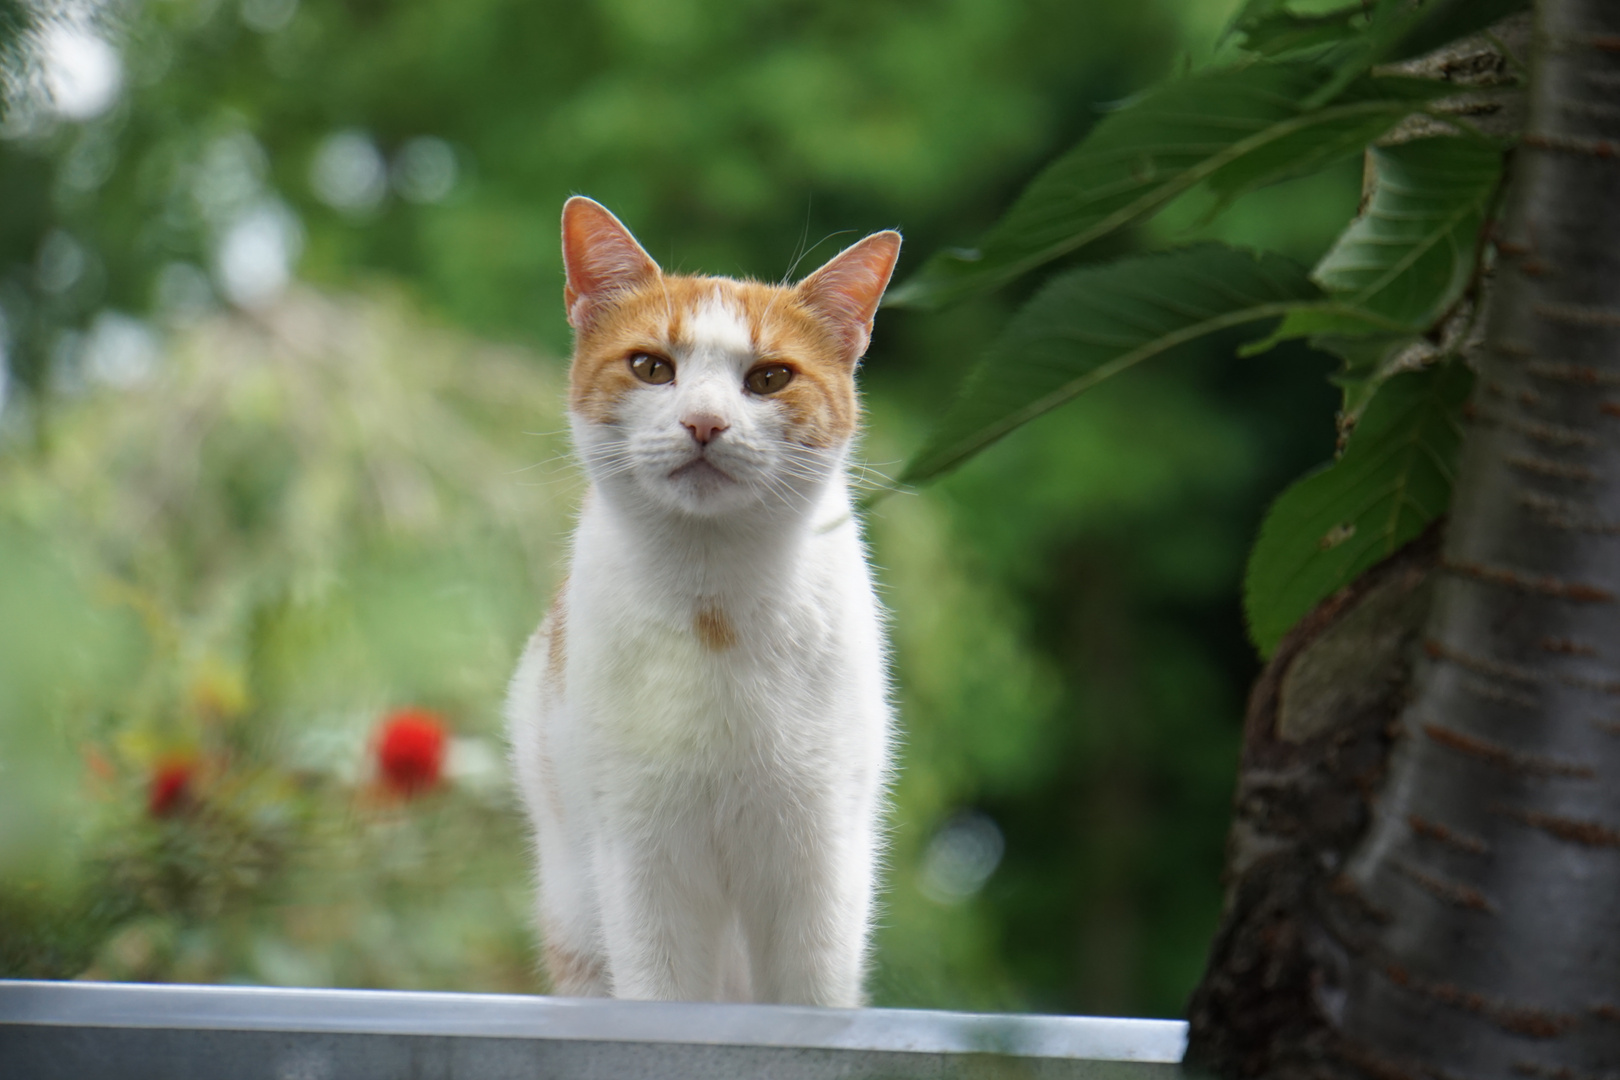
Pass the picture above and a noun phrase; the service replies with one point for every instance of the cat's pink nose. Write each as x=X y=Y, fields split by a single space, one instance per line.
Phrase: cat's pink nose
x=704 y=427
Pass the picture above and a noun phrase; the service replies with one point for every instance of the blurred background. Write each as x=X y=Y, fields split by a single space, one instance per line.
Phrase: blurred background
x=283 y=487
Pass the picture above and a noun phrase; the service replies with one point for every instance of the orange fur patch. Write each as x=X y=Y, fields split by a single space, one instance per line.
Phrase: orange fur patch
x=556 y=628
x=820 y=402
x=713 y=628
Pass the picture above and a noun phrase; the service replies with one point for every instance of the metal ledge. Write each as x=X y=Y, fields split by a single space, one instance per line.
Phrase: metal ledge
x=115 y=1031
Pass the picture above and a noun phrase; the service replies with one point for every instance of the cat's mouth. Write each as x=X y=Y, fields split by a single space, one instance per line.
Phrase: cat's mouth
x=701 y=469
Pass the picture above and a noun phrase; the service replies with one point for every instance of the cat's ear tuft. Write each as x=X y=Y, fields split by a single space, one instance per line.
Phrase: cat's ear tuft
x=846 y=290
x=600 y=256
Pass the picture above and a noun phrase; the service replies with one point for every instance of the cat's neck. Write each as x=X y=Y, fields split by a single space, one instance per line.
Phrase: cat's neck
x=751 y=553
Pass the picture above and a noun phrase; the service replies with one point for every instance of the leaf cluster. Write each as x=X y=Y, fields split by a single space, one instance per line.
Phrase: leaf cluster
x=1392 y=298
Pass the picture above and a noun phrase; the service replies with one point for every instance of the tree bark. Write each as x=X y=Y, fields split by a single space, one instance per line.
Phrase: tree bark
x=1488 y=937
x=1317 y=736
x=1474 y=930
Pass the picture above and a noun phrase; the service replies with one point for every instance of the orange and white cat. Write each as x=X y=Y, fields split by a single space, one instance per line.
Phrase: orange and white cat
x=701 y=727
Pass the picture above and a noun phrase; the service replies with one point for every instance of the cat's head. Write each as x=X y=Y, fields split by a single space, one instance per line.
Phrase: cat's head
x=704 y=394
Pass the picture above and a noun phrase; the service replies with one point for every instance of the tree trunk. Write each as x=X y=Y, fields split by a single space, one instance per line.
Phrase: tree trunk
x=1317 y=736
x=1474 y=930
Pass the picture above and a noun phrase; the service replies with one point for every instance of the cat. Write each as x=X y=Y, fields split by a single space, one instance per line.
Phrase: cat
x=700 y=729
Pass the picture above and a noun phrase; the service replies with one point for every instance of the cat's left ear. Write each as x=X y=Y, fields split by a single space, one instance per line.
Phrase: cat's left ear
x=847 y=289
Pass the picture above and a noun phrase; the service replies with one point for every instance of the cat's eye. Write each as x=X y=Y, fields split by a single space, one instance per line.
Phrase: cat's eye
x=651 y=369
x=768 y=378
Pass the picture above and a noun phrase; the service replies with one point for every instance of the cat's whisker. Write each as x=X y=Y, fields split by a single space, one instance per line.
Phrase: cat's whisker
x=669 y=308
x=553 y=482
x=804 y=474
x=818 y=243
x=799 y=250
x=612 y=471
x=872 y=478
x=554 y=459
x=784 y=492
x=527 y=468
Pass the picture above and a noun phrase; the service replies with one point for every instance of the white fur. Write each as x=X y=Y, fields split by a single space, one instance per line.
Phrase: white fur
x=708 y=821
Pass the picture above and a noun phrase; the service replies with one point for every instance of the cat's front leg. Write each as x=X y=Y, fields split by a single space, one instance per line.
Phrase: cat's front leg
x=568 y=917
x=806 y=904
x=663 y=915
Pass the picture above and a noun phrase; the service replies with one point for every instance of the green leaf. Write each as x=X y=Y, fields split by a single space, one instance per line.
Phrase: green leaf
x=1284 y=34
x=1367 y=363
x=1409 y=255
x=1237 y=128
x=1096 y=321
x=1386 y=23
x=1393 y=30
x=1270 y=29
x=1393 y=479
x=1401 y=29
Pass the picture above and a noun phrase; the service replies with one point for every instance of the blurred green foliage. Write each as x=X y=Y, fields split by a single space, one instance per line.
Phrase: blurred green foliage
x=306 y=520
x=726 y=130
x=243 y=522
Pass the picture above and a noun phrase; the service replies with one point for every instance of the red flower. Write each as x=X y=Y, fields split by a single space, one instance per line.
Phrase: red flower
x=410 y=750
x=170 y=789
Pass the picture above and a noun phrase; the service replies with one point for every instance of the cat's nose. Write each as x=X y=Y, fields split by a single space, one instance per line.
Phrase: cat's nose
x=705 y=427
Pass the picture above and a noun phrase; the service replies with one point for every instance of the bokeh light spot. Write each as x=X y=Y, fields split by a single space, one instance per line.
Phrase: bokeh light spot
x=83 y=72
x=425 y=170
x=961 y=857
x=254 y=259
x=267 y=16
x=348 y=172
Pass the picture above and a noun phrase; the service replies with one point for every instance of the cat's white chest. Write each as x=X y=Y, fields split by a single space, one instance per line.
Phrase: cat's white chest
x=674 y=678
x=653 y=688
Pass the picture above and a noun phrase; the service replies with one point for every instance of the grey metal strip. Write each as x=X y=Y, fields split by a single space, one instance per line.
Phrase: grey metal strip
x=93 y=1030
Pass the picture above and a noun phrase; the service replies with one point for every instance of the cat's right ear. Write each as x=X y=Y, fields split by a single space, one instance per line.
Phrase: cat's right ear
x=601 y=258
x=849 y=287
